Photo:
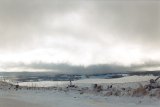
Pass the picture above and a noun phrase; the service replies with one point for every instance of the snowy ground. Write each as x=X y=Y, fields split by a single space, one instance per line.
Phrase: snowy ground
x=88 y=82
x=72 y=97
x=60 y=99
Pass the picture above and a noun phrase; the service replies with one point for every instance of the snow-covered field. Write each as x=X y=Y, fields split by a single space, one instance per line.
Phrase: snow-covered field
x=88 y=82
x=70 y=99
x=39 y=95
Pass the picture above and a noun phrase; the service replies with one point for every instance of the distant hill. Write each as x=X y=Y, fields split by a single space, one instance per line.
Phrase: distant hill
x=50 y=76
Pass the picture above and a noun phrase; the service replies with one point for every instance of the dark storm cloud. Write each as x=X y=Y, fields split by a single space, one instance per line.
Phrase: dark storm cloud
x=147 y=64
x=68 y=68
x=78 y=69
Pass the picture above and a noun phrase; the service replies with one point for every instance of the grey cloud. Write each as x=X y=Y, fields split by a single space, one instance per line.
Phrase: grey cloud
x=147 y=64
x=68 y=68
x=22 y=20
x=23 y=26
x=135 y=22
x=79 y=69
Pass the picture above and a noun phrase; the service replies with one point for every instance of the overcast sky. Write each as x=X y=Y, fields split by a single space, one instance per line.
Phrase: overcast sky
x=38 y=34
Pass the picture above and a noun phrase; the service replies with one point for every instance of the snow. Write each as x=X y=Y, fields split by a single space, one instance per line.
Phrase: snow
x=44 y=83
x=70 y=97
x=88 y=82
x=118 y=80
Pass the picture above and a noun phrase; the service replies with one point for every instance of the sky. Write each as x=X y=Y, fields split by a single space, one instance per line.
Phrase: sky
x=75 y=35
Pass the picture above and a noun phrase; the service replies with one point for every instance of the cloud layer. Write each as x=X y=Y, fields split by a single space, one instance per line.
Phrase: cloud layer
x=80 y=69
x=79 y=32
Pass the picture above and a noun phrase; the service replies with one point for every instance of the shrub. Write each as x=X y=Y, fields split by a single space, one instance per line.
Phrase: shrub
x=140 y=91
